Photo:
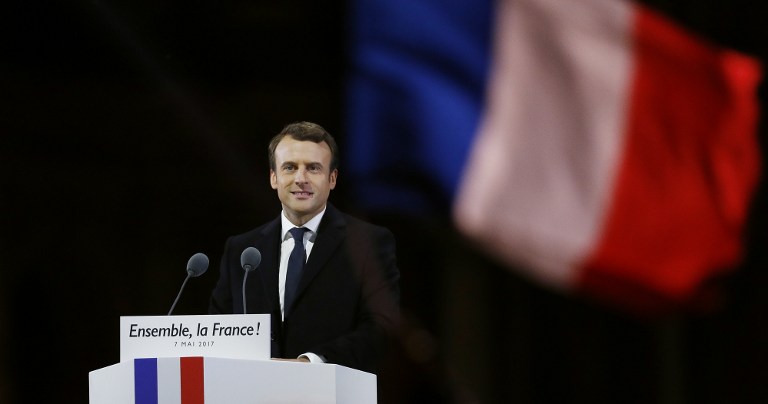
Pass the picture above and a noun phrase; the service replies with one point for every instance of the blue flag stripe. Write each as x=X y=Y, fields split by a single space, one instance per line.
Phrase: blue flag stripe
x=145 y=380
x=414 y=98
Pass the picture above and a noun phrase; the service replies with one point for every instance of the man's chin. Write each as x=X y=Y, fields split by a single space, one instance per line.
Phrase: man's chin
x=301 y=209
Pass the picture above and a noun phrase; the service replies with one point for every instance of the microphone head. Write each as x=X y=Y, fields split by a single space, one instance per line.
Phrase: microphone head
x=250 y=259
x=197 y=265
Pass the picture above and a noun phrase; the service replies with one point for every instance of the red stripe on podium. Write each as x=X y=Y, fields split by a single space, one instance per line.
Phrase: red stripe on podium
x=192 y=381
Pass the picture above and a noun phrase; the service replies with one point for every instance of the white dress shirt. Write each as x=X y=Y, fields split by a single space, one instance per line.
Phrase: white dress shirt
x=285 y=252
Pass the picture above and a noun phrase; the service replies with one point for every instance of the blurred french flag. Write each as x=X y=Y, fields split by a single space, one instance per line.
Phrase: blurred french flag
x=594 y=145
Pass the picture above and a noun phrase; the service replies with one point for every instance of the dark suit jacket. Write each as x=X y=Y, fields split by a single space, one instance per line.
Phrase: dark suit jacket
x=346 y=307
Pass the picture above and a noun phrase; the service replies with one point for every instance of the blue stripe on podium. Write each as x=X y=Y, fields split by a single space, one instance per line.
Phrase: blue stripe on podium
x=145 y=380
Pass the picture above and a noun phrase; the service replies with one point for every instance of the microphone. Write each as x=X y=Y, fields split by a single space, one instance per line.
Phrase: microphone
x=249 y=260
x=196 y=266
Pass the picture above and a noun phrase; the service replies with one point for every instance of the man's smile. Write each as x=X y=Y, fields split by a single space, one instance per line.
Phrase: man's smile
x=302 y=194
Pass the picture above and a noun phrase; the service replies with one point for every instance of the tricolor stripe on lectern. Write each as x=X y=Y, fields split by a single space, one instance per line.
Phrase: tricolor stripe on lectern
x=145 y=380
x=192 y=381
x=169 y=380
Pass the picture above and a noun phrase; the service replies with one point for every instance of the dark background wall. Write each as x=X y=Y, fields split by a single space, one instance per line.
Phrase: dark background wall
x=134 y=135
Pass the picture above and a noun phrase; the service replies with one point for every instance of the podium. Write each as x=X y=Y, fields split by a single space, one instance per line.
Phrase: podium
x=211 y=380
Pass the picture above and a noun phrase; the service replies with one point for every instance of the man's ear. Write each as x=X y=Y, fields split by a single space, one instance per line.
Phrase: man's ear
x=273 y=179
x=332 y=178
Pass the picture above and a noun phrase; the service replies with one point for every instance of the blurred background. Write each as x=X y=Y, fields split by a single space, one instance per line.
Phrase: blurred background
x=134 y=134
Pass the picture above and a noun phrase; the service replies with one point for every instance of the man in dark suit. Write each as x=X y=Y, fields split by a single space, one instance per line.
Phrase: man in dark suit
x=329 y=281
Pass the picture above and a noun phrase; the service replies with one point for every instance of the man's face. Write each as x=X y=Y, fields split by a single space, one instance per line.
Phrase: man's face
x=302 y=178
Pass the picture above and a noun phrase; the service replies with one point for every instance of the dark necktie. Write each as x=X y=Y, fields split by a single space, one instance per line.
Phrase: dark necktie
x=295 y=268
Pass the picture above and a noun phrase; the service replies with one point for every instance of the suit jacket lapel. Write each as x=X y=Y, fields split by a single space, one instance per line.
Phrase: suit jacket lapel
x=330 y=235
x=269 y=245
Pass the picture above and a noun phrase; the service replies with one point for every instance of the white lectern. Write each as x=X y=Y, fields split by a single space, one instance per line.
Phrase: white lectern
x=208 y=380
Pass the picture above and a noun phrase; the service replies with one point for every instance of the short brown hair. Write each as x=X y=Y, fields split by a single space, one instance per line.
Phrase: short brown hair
x=304 y=131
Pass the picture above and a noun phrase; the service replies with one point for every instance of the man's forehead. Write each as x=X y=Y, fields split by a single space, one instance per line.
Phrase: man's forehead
x=290 y=149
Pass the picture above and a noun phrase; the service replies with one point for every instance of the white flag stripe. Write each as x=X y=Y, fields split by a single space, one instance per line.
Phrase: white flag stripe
x=168 y=381
x=536 y=188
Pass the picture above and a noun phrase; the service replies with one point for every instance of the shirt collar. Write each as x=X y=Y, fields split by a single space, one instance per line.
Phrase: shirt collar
x=312 y=224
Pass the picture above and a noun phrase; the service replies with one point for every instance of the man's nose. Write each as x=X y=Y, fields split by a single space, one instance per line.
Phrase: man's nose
x=301 y=175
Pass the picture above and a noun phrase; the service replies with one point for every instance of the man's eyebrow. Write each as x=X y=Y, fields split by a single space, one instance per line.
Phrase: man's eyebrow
x=310 y=164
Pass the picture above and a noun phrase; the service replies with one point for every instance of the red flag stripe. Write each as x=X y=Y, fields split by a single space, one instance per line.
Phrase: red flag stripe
x=689 y=165
x=192 y=380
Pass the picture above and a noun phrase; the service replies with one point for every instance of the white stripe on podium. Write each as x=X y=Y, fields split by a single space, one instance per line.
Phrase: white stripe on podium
x=168 y=381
